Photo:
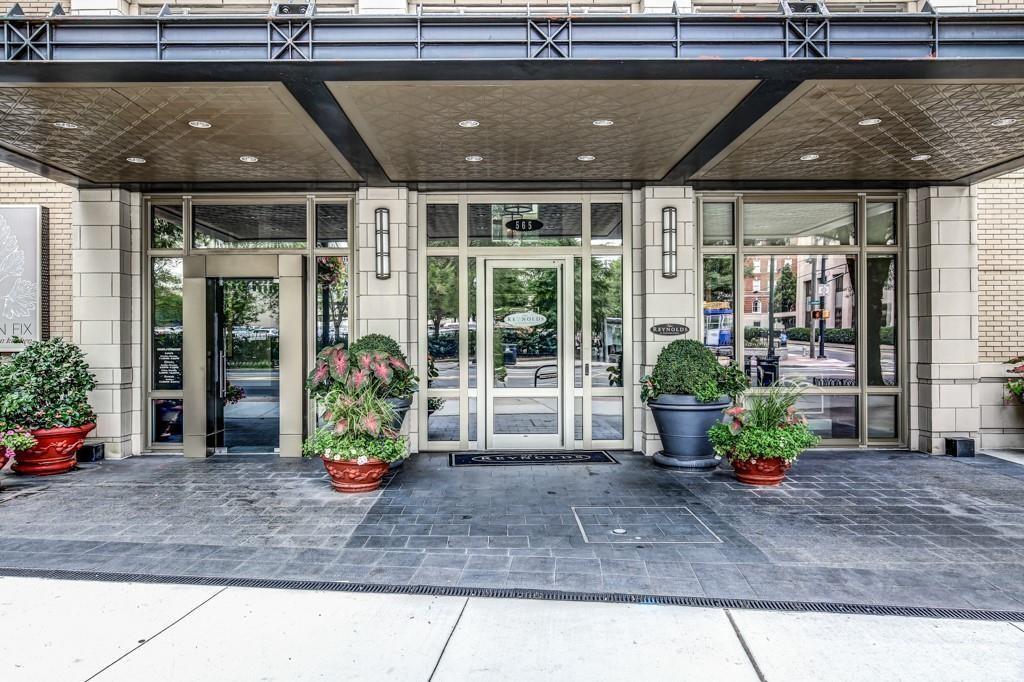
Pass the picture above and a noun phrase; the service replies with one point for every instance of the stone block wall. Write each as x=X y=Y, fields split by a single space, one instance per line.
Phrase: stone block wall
x=20 y=187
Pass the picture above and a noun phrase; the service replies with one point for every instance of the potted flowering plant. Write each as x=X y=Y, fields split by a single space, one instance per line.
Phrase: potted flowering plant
x=1014 y=392
x=359 y=441
x=233 y=394
x=763 y=439
x=13 y=440
x=45 y=389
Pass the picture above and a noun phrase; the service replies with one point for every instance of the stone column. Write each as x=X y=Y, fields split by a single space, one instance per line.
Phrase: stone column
x=388 y=306
x=101 y=7
x=661 y=299
x=943 y=316
x=382 y=6
x=107 y=310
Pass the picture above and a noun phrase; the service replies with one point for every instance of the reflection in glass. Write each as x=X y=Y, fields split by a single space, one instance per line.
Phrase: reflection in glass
x=525 y=416
x=799 y=224
x=719 y=283
x=578 y=418
x=606 y=418
x=332 y=225
x=809 y=303
x=332 y=301
x=442 y=321
x=165 y=224
x=472 y=419
x=883 y=416
x=442 y=419
x=882 y=224
x=525 y=224
x=717 y=224
x=606 y=320
x=830 y=416
x=471 y=325
x=577 y=327
x=442 y=225
x=606 y=224
x=525 y=344
x=880 y=334
x=167 y=323
x=167 y=420
x=240 y=226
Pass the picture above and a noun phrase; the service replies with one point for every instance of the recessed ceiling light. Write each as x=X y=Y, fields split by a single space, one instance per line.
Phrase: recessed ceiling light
x=202 y=125
x=66 y=125
x=584 y=157
x=469 y=123
x=135 y=159
x=920 y=157
x=604 y=122
x=473 y=158
x=246 y=158
x=869 y=121
x=809 y=157
x=1003 y=122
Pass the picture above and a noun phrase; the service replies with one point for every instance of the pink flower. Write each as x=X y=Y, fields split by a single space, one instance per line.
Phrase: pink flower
x=341 y=426
x=371 y=423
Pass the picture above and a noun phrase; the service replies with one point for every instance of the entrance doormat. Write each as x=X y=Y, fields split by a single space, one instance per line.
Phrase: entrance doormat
x=506 y=458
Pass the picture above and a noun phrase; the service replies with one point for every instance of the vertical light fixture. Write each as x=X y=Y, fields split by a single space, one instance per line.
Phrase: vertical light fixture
x=382 y=224
x=669 y=242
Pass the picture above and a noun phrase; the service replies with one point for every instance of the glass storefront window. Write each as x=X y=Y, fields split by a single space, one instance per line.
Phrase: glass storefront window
x=525 y=224
x=809 y=304
x=471 y=328
x=606 y=418
x=880 y=333
x=883 y=416
x=881 y=219
x=719 y=315
x=166 y=304
x=442 y=419
x=799 y=224
x=167 y=420
x=443 y=321
x=332 y=305
x=332 y=225
x=442 y=225
x=606 y=224
x=606 y=321
x=830 y=416
x=242 y=226
x=717 y=224
x=166 y=231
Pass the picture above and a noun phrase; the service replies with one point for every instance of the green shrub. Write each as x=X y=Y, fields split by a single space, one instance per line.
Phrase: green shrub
x=46 y=386
x=377 y=343
x=769 y=427
x=687 y=367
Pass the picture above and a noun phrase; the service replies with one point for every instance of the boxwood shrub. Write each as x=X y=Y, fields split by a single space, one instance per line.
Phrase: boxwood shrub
x=687 y=367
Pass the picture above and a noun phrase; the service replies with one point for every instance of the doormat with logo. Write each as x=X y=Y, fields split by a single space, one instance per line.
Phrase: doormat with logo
x=526 y=458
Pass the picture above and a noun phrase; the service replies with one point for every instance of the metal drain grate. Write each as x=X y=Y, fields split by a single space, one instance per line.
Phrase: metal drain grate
x=523 y=593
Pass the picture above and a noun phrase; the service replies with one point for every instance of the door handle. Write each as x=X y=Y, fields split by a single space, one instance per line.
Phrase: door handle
x=223 y=371
x=586 y=369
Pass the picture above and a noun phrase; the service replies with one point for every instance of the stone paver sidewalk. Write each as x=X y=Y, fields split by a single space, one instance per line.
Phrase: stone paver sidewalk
x=853 y=527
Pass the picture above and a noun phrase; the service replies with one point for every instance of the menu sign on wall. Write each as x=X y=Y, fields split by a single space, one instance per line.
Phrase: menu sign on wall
x=21 y=287
x=167 y=369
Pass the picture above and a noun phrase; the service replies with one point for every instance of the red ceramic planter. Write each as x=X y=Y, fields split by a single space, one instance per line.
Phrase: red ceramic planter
x=54 y=452
x=760 y=471
x=349 y=477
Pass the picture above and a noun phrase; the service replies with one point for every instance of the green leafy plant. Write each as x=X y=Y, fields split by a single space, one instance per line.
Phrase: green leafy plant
x=46 y=386
x=234 y=394
x=687 y=367
x=389 y=376
x=1014 y=392
x=768 y=427
x=377 y=343
x=15 y=440
x=328 y=444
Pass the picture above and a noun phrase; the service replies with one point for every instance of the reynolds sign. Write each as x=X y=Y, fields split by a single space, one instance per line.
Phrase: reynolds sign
x=22 y=280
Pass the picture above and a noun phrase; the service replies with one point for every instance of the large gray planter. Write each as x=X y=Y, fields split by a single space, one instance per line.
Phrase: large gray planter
x=683 y=423
x=401 y=408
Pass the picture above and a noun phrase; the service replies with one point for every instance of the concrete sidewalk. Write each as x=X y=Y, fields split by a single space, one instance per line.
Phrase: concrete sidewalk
x=55 y=631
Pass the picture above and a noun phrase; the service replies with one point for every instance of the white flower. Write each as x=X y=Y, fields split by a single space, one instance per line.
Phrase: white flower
x=327 y=452
x=362 y=460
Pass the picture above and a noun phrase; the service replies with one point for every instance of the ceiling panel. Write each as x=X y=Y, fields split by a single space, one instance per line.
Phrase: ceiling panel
x=950 y=121
x=535 y=130
x=151 y=121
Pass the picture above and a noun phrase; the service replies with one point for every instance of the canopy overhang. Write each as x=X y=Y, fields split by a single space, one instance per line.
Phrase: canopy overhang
x=333 y=102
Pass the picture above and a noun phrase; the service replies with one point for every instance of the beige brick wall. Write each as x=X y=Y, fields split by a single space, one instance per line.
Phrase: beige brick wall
x=1000 y=6
x=1001 y=267
x=30 y=7
x=20 y=187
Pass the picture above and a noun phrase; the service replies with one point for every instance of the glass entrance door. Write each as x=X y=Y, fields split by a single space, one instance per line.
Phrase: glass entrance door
x=526 y=366
x=243 y=387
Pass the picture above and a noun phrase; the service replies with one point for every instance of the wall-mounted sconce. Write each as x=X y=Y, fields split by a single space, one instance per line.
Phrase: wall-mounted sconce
x=382 y=224
x=669 y=242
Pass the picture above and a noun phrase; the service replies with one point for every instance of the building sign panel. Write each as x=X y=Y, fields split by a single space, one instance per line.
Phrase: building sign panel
x=21 y=275
x=524 y=225
x=167 y=369
x=526 y=319
x=669 y=329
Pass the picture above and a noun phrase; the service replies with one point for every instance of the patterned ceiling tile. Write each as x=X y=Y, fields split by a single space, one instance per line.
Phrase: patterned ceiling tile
x=949 y=121
x=151 y=121
x=535 y=130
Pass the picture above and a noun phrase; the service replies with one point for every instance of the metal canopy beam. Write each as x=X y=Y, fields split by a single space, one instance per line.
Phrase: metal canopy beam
x=192 y=38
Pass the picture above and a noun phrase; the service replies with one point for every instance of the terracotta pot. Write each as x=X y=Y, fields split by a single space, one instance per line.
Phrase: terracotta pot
x=760 y=471
x=349 y=477
x=54 y=452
